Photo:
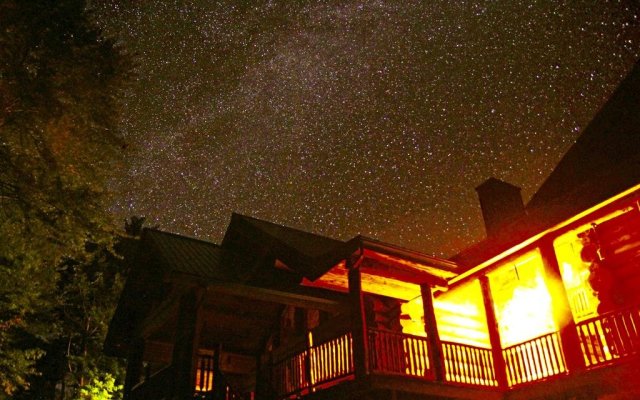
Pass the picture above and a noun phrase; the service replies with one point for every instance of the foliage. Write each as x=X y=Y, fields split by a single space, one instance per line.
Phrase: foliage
x=90 y=291
x=59 y=86
x=101 y=389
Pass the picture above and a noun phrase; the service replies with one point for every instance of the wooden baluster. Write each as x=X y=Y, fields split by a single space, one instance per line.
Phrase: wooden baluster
x=634 y=316
x=531 y=361
x=465 y=364
x=598 y=333
x=584 y=341
x=545 y=355
x=474 y=365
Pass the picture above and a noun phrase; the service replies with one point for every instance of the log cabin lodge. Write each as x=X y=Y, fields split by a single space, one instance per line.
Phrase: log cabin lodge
x=546 y=307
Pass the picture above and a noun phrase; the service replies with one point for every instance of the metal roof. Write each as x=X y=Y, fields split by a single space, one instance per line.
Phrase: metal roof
x=306 y=243
x=199 y=258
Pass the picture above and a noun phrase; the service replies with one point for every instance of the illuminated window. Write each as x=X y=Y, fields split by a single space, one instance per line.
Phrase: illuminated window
x=522 y=300
x=597 y=263
x=461 y=317
x=412 y=317
x=204 y=372
x=575 y=276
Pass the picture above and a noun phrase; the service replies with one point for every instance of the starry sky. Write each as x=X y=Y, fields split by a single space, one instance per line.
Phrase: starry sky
x=356 y=117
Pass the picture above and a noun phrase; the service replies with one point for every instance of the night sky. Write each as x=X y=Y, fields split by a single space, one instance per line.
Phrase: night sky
x=347 y=117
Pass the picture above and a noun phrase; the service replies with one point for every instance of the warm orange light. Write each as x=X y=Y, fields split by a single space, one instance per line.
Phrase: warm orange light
x=204 y=379
x=460 y=316
x=337 y=279
x=575 y=271
x=329 y=361
x=412 y=318
x=630 y=194
x=575 y=276
x=522 y=301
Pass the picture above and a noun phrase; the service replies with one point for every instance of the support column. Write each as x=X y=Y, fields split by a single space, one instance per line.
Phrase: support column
x=358 y=321
x=561 y=309
x=219 y=383
x=499 y=365
x=431 y=328
x=134 y=367
x=185 y=347
x=264 y=384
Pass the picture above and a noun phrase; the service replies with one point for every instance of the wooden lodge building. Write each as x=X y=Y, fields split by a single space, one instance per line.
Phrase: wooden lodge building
x=546 y=307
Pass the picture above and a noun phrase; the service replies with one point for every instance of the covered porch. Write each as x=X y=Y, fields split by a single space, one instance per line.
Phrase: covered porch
x=210 y=343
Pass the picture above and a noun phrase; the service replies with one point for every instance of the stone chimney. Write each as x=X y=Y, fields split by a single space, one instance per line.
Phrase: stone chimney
x=501 y=204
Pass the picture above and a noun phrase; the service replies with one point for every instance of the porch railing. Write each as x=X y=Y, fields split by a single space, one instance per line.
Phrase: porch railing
x=204 y=388
x=394 y=353
x=332 y=359
x=535 y=359
x=399 y=353
x=316 y=366
x=469 y=365
x=291 y=374
x=610 y=336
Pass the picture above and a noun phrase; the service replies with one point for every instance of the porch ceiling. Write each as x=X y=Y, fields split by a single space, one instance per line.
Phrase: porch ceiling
x=239 y=325
x=385 y=274
x=241 y=317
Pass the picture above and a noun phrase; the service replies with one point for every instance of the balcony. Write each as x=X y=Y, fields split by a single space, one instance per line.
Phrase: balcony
x=605 y=340
x=611 y=337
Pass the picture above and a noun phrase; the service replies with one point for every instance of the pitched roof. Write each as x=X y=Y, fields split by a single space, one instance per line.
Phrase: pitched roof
x=604 y=161
x=185 y=255
x=308 y=254
x=162 y=256
x=306 y=243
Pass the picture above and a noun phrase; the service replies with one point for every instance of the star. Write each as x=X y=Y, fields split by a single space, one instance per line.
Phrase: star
x=346 y=117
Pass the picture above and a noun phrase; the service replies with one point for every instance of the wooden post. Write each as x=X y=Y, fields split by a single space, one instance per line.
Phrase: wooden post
x=358 y=321
x=264 y=383
x=134 y=366
x=219 y=383
x=431 y=328
x=499 y=365
x=561 y=309
x=185 y=346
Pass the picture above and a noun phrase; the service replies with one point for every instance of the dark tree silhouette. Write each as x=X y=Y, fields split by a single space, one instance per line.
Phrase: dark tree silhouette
x=60 y=81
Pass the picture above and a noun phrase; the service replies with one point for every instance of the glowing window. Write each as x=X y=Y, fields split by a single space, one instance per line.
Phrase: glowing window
x=521 y=299
x=575 y=276
x=461 y=317
x=412 y=317
x=580 y=251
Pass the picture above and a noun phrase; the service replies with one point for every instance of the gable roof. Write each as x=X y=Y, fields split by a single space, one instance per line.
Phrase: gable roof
x=604 y=161
x=306 y=243
x=198 y=258
x=159 y=256
x=306 y=253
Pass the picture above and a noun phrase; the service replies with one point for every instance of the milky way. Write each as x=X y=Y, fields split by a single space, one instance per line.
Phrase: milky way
x=344 y=117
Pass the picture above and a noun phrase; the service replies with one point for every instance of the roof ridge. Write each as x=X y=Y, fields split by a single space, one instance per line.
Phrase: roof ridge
x=181 y=236
x=288 y=227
